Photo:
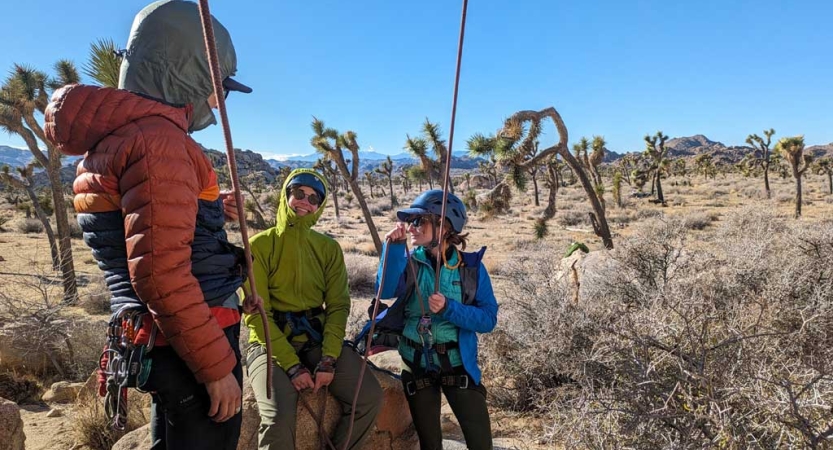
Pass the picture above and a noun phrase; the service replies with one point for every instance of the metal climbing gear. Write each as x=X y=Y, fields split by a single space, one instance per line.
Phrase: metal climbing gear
x=426 y=338
x=123 y=364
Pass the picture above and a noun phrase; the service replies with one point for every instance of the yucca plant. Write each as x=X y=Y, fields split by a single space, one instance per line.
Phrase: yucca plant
x=792 y=149
x=760 y=156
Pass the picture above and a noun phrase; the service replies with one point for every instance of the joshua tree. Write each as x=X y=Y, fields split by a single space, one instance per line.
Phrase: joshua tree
x=792 y=149
x=418 y=147
x=104 y=63
x=386 y=169
x=331 y=144
x=553 y=182
x=760 y=155
x=330 y=172
x=825 y=166
x=655 y=151
x=705 y=165
x=23 y=181
x=591 y=162
x=24 y=94
x=368 y=177
x=513 y=146
x=416 y=174
x=617 y=188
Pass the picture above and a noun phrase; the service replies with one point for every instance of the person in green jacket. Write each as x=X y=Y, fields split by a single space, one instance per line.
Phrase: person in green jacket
x=301 y=277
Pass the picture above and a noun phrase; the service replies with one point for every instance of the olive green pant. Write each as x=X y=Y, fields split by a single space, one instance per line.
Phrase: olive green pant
x=277 y=416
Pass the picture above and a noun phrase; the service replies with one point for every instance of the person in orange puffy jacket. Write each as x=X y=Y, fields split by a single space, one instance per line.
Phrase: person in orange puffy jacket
x=151 y=210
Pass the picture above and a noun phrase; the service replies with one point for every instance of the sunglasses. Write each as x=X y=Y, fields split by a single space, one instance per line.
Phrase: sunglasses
x=313 y=198
x=418 y=221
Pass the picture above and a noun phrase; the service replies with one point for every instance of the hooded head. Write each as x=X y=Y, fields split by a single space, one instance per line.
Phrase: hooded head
x=286 y=216
x=166 y=59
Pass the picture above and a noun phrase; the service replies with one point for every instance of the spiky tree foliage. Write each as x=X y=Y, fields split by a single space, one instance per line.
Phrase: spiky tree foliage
x=24 y=182
x=25 y=93
x=704 y=164
x=386 y=169
x=617 y=188
x=368 y=178
x=513 y=146
x=679 y=167
x=553 y=181
x=331 y=144
x=824 y=166
x=656 y=152
x=418 y=147
x=627 y=164
x=416 y=174
x=792 y=149
x=590 y=162
x=330 y=172
x=104 y=63
x=760 y=156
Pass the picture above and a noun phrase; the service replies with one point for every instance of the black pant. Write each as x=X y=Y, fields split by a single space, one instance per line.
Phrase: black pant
x=468 y=404
x=179 y=412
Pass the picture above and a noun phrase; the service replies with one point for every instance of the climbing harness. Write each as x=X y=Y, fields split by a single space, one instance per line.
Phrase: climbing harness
x=301 y=323
x=214 y=65
x=122 y=364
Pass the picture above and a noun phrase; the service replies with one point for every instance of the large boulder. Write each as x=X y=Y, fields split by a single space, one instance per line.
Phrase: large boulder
x=11 y=426
x=582 y=271
x=135 y=440
x=394 y=427
x=62 y=392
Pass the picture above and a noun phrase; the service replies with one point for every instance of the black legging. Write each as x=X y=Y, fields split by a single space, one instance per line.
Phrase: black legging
x=468 y=404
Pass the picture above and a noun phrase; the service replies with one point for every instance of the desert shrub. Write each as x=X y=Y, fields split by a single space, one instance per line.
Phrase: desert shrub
x=21 y=389
x=75 y=231
x=642 y=214
x=572 y=218
x=784 y=198
x=670 y=346
x=699 y=220
x=3 y=221
x=30 y=226
x=361 y=273
x=91 y=428
x=96 y=303
x=38 y=335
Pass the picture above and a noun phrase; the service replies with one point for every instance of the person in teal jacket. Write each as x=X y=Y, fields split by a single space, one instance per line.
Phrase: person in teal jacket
x=301 y=277
x=438 y=341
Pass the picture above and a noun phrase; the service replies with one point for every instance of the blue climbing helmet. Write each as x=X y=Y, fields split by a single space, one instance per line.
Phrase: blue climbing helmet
x=431 y=202
x=310 y=180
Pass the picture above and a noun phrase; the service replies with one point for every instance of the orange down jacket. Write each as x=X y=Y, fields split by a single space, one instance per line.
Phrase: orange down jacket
x=139 y=160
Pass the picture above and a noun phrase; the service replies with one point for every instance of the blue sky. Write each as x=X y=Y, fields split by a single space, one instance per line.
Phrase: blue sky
x=620 y=69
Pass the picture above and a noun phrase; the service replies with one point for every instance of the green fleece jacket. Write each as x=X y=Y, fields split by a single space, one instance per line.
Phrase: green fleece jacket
x=297 y=268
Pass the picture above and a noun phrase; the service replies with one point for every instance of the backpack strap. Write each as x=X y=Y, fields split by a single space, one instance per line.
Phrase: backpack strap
x=470 y=274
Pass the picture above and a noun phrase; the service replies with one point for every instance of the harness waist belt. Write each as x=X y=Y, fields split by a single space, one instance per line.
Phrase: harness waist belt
x=441 y=349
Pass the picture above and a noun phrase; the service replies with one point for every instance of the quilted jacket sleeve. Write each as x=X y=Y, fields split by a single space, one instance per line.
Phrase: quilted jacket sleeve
x=161 y=176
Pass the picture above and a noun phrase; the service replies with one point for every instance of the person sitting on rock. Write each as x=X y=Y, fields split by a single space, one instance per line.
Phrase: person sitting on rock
x=301 y=277
x=438 y=342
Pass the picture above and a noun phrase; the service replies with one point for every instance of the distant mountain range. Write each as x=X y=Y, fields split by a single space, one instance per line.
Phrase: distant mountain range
x=250 y=161
x=369 y=157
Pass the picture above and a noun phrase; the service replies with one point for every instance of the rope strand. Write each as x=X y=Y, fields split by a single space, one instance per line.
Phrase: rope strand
x=216 y=80
x=447 y=174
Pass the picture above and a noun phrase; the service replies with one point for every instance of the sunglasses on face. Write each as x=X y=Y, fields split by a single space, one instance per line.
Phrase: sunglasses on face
x=313 y=199
x=418 y=221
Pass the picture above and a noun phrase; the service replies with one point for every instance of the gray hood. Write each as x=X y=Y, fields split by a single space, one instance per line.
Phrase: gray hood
x=166 y=58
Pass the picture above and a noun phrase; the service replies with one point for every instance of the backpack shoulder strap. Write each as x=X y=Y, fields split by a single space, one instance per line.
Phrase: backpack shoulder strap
x=470 y=274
